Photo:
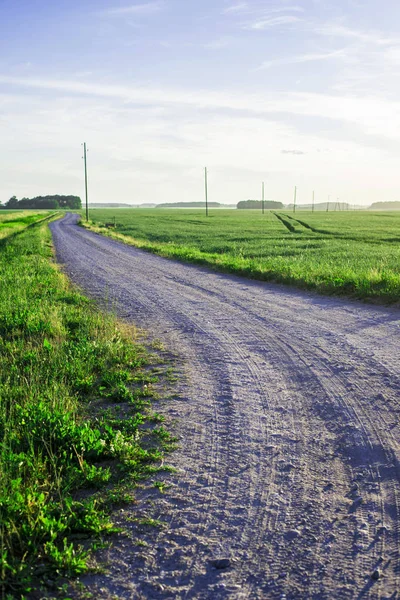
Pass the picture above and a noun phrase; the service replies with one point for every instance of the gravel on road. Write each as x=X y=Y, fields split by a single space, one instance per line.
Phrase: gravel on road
x=287 y=415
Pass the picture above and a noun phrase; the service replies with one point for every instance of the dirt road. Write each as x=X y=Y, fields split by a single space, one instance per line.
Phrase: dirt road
x=288 y=419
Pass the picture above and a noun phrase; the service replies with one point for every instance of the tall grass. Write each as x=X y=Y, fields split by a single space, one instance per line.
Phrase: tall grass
x=12 y=223
x=74 y=401
x=356 y=254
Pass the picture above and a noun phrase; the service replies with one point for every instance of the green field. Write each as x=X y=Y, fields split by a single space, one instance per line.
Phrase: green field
x=75 y=419
x=352 y=253
x=11 y=222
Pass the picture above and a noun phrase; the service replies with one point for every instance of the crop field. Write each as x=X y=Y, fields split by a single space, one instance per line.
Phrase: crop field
x=352 y=253
x=74 y=396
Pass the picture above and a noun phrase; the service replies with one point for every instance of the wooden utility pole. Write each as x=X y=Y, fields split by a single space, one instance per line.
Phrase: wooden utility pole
x=206 y=188
x=262 y=200
x=295 y=198
x=313 y=201
x=86 y=184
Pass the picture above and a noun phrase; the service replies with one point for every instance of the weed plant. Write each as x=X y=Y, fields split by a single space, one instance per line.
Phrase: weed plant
x=351 y=253
x=74 y=416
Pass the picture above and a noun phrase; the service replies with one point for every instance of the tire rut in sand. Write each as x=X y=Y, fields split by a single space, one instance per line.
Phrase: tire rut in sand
x=367 y=439
x=367 y=452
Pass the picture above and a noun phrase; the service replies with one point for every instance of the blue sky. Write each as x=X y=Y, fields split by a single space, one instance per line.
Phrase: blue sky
x=299 y=93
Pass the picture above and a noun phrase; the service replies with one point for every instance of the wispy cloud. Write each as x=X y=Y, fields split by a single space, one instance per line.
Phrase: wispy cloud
x=304 y=58
x=146 y=8
x=335 y=30
x=237 y=8
x=261 y=17
x=271 y=22
x=250 y=9
x=373 y=115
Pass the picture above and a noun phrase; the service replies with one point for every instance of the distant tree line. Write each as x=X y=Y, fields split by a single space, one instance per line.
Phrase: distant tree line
x=46 y=202
x=258 y=204
x=385 y=206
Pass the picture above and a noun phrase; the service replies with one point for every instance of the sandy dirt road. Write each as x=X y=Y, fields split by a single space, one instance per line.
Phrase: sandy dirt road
x=288 y=419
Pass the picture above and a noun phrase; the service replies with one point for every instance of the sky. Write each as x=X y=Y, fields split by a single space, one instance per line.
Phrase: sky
x=299 y=93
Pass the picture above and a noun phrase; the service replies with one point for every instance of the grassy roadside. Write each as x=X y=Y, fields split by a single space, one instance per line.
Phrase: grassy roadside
x=75 y=418
x=358 y=257
x=12 y=223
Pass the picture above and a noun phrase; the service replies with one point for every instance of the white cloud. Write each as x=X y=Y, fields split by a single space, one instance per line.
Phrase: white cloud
x=272 y=22
x=261 y=17
x=147 y=8
x=374 y=115
x=304 y=58
x=237 y=8
x=170 y=149
x=245 y=7
x=368 y=37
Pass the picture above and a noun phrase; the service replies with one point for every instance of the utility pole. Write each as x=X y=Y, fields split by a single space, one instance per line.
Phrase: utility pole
x=262 y=201
x=295 y=198
x=327 y=206
x=86 y=186
x=313 y=201
x=206 y=189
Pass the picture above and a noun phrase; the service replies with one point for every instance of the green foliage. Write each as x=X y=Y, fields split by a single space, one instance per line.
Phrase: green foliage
x=60 y=361
x=343 y=252
x=45 y=202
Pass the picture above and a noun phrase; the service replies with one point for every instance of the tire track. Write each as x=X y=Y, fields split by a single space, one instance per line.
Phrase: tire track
x=357 y=410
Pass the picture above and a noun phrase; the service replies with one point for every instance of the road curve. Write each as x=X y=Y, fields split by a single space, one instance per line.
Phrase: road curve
x=289 y=427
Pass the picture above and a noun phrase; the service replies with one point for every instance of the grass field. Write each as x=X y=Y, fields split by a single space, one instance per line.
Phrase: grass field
x=352 y=253
x=12 y=222
x=75 y=418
